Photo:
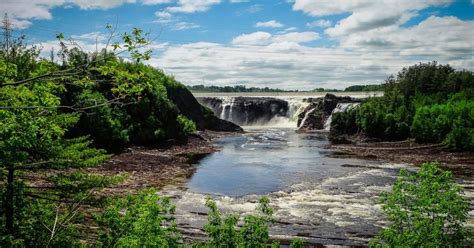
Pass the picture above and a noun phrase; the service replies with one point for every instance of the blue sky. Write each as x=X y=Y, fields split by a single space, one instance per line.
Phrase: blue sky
x=299 y=44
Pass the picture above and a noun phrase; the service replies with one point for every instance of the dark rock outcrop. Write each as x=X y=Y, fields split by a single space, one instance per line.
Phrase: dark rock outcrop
x=315 y=115
x=202 y=116
x=246 y=110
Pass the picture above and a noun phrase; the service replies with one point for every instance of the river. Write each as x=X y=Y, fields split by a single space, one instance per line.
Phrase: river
x=316 y=195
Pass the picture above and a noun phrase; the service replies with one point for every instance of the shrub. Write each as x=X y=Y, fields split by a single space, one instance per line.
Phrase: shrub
x=222 y=231
x=451 y=123
x=188 y=126
x=344 y=122
x=142 y=220
x=426 y=209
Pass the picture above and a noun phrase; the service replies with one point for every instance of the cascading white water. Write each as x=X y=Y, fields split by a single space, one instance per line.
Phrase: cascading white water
x=280 y=112
x=306 y=116
x=227 y=104
x=340 y=107
x=295 y=107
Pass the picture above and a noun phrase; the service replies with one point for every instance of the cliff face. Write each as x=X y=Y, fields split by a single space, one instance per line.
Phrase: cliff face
x=247 y=110
x=202 y=116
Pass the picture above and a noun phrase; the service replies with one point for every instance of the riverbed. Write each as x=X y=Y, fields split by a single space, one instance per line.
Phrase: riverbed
x=315 y=195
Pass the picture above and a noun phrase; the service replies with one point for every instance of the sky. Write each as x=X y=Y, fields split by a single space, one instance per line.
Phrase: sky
x=290 y=44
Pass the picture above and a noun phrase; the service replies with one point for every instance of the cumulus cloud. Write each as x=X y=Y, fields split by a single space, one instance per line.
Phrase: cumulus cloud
x=364 y=15
x=185 y=25
x=297 y=37
x=263 y=38
x=191 y=6
x=324 y=8
x=284 y=64
x=257 y=38
x=269 y=24
x=154 y=2
x=22 y=12
x=319 y=23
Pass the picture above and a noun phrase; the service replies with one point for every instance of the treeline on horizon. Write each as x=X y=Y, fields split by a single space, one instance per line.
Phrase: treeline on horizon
x=242 y=88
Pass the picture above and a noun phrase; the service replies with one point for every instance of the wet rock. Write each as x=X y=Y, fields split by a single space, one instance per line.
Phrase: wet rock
x=315 y=115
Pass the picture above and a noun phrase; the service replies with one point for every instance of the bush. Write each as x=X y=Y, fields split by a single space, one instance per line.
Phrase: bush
x=430 y=102
x=142 y=220
x=344 y=122
x=188 y=126
x=426 y=209
x=451 y=123
x=254 y=232
x=377 y=120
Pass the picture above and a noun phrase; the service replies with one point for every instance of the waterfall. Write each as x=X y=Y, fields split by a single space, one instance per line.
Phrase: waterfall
x=340 y=107
x=256 y=111
x=306 y=116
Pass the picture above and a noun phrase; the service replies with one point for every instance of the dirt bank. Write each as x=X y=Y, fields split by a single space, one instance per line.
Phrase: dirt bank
x=159 y=165
x=461 y=163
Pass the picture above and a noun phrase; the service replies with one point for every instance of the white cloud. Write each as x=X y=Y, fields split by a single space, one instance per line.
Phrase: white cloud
x=287 y=30
x=364 y=15
x=99 y=4
x=22 y=12
x=264 y=38
x=257 y=38
x=93 y=36
x=324 y=8
x=319 y=23
x=269 y=24
x=297 y=37
x=191 y=6
x=185 y=25
x=163 y=15
x=155 y=2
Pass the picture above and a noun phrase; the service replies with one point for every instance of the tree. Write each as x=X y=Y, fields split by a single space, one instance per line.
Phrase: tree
x=426 y=209
x=34 y=125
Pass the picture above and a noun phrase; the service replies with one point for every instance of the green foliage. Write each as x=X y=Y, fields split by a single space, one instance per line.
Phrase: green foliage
x=451 y=123
x=429 y=102
x=376 y=119
x=426 y=209
x=372 y=87
x=222 y=231
x=344 y=122
x=297 y=243
x=142 y=220
x=188 y=125
x=237 y=88
x=37 y=222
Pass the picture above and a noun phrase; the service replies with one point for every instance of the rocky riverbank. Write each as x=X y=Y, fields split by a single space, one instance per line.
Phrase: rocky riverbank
x=461 y=163
x=159 y=165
